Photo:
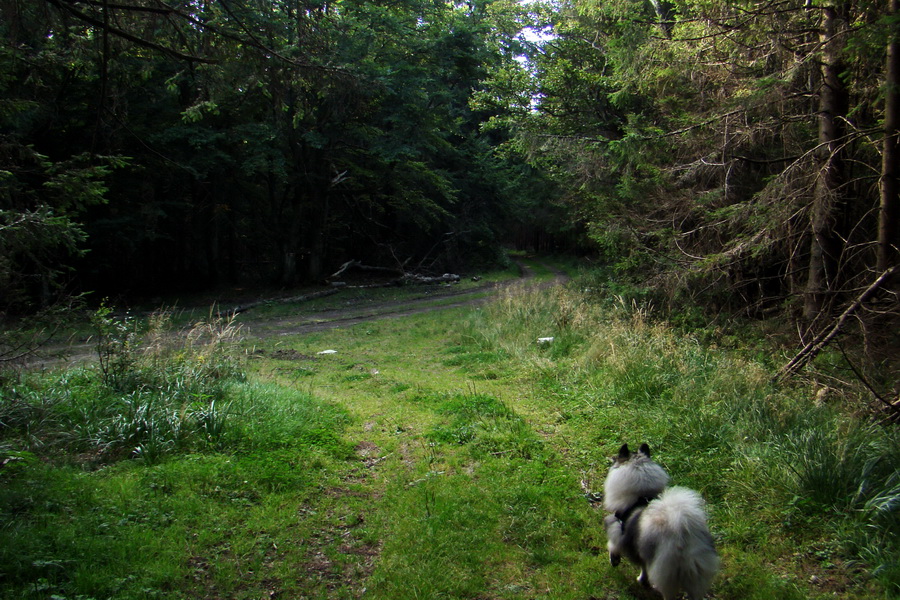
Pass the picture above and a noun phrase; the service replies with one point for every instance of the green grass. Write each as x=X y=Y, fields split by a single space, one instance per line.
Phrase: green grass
x=442 y=456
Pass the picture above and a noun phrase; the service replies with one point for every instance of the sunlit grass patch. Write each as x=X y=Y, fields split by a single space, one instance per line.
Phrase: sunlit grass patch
x=480 y=515
x=447 y=524
x=461 y=358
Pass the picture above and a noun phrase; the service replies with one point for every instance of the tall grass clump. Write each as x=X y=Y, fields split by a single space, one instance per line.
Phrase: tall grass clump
x=767 y=456
x=521 y=316
x=849 y=471
x=148 y=393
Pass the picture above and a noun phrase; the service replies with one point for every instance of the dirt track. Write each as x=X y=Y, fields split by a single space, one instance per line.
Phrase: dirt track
x=435 y=298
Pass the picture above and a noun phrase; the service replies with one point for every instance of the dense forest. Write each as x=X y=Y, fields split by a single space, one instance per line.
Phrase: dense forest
x=152 y=146
x=743 y=152
x=740 y=156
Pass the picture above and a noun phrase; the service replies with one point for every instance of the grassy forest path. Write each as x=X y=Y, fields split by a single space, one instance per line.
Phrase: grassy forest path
x=408 y=444
x=420 y=510
x=469 y=460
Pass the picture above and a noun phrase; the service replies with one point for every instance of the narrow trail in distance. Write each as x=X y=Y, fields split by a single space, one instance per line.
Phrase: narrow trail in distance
x=436 y=298
x=348 y=316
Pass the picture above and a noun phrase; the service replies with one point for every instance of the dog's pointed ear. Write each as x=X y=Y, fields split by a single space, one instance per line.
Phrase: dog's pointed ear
x=645 y=450
x=624 y=452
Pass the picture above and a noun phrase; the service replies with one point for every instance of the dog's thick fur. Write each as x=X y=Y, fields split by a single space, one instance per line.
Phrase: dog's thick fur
x=632 y=477
x=661 y=529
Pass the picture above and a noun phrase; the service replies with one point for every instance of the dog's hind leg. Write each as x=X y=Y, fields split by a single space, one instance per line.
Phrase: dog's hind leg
x=643 y=579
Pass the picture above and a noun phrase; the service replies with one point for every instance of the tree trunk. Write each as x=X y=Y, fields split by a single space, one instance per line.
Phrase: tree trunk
x=318 y=247
x=664 y=13
x=290 y=218
x=889 y=215
x=827 y=206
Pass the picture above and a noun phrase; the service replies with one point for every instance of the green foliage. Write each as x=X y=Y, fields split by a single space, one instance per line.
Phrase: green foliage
x=41 y=204
x=687 y=145
x=116 y=347
x=45 y=190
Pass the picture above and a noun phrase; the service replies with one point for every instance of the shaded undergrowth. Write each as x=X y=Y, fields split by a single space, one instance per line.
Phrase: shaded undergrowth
x=148 y=394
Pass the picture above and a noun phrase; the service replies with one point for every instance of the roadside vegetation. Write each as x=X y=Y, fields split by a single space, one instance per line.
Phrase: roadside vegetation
x=442 y=455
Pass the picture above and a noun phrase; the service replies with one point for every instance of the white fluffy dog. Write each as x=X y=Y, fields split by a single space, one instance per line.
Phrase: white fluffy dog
x=661 y=529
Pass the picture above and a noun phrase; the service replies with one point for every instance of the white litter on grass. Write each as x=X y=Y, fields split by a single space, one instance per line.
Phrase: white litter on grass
x=327 y=352
x=545 y=340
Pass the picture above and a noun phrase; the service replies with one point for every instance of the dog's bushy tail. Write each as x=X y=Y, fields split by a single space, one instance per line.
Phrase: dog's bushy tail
x=675 y=533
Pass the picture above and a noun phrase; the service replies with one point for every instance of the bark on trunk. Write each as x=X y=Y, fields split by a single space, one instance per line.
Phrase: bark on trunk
x=319 y=208
x=664 y=14
x=889 y=215
x=826 y=246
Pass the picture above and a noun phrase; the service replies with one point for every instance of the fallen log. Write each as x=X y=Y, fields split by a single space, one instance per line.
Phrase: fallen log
x=355 y=264
x=304 y=298
x=405 y=278
x=425 y=280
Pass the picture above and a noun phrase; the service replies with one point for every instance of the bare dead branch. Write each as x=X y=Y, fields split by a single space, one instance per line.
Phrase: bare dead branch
x=69 y=6
x=812 y=349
